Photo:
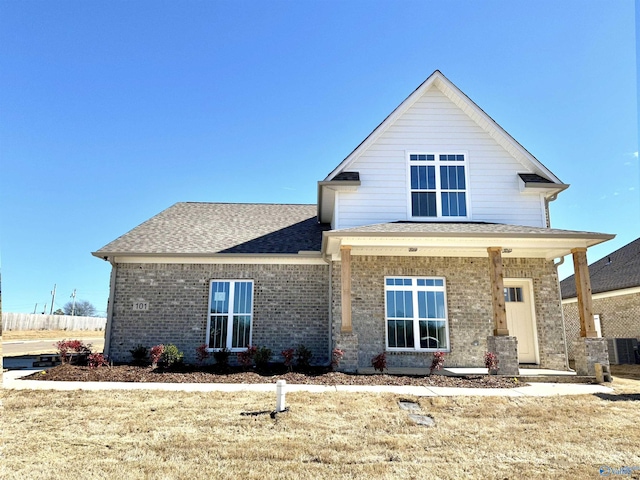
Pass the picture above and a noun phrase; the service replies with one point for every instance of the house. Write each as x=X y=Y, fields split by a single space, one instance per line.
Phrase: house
x=615 y=285
x=432 y=235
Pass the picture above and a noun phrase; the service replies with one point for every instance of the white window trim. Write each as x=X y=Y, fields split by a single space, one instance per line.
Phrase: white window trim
x=437 y=163
x=230 y=313
x=416 y=328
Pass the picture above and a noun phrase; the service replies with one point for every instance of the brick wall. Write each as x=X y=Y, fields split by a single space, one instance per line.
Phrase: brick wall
x=291 y=306
x=619 y=317
x=468 y=303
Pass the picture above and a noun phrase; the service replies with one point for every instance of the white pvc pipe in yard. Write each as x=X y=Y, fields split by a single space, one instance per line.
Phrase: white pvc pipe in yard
x=280 y=395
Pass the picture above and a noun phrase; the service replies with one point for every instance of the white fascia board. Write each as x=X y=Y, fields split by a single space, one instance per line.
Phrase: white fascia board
x=612 y=293
x=520 y=246
x=479 y=116
x=326 y=196
x=488 y=124
x=303 y=258
x=386 y=123
x=547 y=189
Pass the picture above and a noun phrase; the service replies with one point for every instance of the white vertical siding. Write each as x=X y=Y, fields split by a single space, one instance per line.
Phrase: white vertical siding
x=435 y=124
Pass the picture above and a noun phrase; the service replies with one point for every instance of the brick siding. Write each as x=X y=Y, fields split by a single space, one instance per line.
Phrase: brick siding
x=468 y=303
x=291 y=306
x=619 y=318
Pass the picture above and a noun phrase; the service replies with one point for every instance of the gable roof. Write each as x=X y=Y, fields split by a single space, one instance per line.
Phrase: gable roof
x=478 y=115
x=616 y=271
x=211 y=228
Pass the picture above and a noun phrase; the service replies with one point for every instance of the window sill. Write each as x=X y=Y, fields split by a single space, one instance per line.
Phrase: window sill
x=417 y=352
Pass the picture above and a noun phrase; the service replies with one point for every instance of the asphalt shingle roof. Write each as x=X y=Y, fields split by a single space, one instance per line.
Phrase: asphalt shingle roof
x=618 y=270
x=462 y=228
x=208 y=228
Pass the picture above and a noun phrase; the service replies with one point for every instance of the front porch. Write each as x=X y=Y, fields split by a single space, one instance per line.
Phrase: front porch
x=472 y=263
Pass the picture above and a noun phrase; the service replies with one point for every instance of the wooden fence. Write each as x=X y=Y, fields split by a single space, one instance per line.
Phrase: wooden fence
x=30 y=321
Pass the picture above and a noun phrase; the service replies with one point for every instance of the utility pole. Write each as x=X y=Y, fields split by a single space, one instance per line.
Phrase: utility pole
x=73 y=306
x=35 y=308
x=53 y=299
x=44 y=310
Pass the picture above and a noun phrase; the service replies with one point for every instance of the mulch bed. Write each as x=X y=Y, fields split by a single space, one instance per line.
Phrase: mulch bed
x=129 y=373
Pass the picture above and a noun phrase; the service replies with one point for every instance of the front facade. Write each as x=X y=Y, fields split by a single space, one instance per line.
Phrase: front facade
x=432 y=235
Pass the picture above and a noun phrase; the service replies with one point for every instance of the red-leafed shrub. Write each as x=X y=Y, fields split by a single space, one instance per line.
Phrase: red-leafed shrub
x=379 y=362
x=97 y=360
x=336 y=358
x=288 y=357
x=68 y=347
x=491 y=361
x=155 y=354
x=245 y=358
x=202 y=353
x=437 y=362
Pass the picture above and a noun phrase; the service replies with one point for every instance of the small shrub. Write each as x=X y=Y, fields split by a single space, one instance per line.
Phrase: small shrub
x=171 y=355
x=222 y=356
x=336 y=358
x=303 y=357
x=379 y=362
x=491 y=361
x=67 y=347
x=437 y=362
x=288 y=357
x=262 y=357
x=139 y=354
x=97 y=360
x=245 y=358
x=202 y=353
x=155 y=354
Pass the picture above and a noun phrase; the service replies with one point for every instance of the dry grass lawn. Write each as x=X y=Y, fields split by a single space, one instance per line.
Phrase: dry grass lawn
x=165 y=435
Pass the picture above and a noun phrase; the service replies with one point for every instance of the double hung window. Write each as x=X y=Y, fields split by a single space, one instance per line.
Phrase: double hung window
x=416 y=313
x=230 y=314
x=438 y=185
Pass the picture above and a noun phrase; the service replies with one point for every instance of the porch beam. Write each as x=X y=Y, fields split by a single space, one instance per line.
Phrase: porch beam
x=497 y=292
x=345 y=270
x=583 y=290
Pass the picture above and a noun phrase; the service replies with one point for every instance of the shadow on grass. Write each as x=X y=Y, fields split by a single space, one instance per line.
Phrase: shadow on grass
x=622 y=397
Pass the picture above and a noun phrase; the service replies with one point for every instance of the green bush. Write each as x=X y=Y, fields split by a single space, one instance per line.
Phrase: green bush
x=171 y=355
x=222 y=357
x=303 y=357
x=262 y=358
x=139 y=354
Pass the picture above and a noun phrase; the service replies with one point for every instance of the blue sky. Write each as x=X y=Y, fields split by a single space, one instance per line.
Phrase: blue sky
x=112 y=111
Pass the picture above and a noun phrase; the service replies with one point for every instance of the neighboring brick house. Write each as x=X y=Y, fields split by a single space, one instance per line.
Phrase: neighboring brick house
x=615 y=285
x=433 y=234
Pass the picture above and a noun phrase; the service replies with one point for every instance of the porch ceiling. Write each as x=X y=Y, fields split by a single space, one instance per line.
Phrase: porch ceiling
x=457 y=240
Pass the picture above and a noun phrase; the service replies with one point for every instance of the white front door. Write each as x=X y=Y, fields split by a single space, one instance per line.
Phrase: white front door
x=520 y=318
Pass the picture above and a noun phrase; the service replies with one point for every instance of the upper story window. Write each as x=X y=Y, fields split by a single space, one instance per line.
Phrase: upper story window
x=438 y=185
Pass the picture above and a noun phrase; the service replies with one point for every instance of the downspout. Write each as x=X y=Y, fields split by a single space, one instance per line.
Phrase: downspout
x=547 y=201
x=330 y=308
x=564 y=330
x=112 y=292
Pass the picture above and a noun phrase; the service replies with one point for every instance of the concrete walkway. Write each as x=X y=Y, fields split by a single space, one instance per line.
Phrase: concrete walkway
x=11 y=380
